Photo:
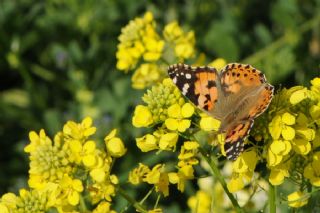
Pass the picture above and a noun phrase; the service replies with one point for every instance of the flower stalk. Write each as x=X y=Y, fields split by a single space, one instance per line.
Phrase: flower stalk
x=220 y=178
x=134 y=203
x=272 y=198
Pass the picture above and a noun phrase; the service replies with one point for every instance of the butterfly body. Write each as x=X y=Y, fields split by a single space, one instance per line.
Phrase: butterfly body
x=235 y=95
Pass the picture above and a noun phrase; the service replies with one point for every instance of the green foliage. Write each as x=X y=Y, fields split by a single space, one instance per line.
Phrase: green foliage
x=57 y=60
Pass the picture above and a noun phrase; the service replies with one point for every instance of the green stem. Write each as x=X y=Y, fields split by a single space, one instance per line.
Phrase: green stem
x=136 y=204
x=220 y=178
x=82 y=204
x=272 y=198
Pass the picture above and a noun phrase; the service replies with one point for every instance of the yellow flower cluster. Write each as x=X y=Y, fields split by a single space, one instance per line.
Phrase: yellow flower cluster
x=158 y=99
x=168 y=110
x=138 y=39
x=161 y=178
x=243 y=170
x=183 y=43
x=67 y=170
x=292 y=138
x=141 y=49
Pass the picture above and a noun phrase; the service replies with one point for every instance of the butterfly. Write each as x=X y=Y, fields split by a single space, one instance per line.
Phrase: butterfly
x=236 y=96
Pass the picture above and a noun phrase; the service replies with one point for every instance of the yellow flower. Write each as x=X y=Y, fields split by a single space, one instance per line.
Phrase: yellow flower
x=177 y=115
x=8 y=202
x=184 y=173
x=281 y=125
x=103 y=207
x=157 y=210
x=153 y=176
x=81 y=131
x=183 y=43
x=168 y=141
x=299 y=95
x=147 y=143
x=301 y=146
x=188 y=152
x=200 y=203
x=246 y=162
x=208 y=123
x=28 y=201
x=136 y=175
x=83 y=153
x=72 y=189
x=146 y=75
x=142 y=116
x=172 y=31
x=297 y=199
x=312 y=170
x=218 y=63
x=48 y=161
x=235 y=184
x=163 y=184
x=160 y=97
x=138 y=39
x=37 y=140
x=277 y=150
x=278 y=174
x=115 y=146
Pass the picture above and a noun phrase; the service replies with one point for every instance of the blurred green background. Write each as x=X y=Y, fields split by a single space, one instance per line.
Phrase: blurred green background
x=57 y=61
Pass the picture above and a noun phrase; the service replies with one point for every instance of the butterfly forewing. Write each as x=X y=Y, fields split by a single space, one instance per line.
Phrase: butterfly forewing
x=198 y=84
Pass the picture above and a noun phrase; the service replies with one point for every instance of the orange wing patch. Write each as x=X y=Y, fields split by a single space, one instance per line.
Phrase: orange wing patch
x=263 y=101
x=206 y=89
x=235 y=76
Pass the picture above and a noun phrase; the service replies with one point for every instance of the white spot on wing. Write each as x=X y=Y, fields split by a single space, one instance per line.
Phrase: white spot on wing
x=174 y=80
x=188 y=76
x=229 y=150
x=185 y=89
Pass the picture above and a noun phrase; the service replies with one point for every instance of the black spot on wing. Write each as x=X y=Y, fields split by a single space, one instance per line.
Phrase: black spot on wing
x=211 y=84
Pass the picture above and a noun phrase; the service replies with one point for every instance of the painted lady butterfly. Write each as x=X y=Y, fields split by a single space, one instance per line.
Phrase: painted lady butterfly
x=235 y=96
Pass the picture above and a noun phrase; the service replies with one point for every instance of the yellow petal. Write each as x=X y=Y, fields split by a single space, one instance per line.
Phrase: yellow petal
x=174 y=111
x=73 y=198
x=183 y=125
x=77 y=185
x=147 y=143
x=235 y=184
x=288 y=133
x=172 y=124
x=115 y=147
x=298 y=96
x=301 y=146
x=98 y=175
x=187 y=110
x=111 y=134
x=208 y=124
x=273 y=159
x=276 y=177
x=89 y=160
x=288 y=119
x=142 y=116
x=275 y=127
x=297 y=199
x=306 y=133
x=89 y=146
x=168 y=140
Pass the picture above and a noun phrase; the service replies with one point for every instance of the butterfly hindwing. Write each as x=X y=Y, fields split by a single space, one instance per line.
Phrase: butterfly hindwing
x=198 y=84
x=234 y=141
